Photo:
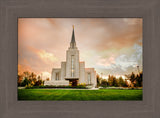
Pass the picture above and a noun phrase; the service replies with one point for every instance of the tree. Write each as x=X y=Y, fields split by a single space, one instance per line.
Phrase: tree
x=139 y=79
x=121 y=82
x=26 y=73
x=39 y=83
x=112 y=81
x=19 y=79
x=32 y=77
x=39 y=77
x=25 y=82
x=132 y=77
x=136 y=80
x=115 y=82
x=98 y=80
x=104 y=83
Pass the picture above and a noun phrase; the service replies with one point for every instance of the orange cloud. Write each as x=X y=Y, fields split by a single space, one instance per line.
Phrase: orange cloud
x=46 y=56
x=43 y=55
x=22 y=68
x=42 y=42
x=107 y=61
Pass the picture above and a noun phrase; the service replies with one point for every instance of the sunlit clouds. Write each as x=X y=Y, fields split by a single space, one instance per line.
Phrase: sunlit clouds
x=110 y=45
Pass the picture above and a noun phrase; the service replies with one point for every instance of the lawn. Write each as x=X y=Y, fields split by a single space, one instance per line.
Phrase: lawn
x=61 y=94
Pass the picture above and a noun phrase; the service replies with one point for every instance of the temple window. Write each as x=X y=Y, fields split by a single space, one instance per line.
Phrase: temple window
x=57 y=76
x=72 y=66
x=89 y=78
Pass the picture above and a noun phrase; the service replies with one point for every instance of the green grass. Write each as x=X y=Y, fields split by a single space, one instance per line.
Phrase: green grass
x=102 y=94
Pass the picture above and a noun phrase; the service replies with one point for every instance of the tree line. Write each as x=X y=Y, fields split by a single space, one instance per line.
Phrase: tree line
x=131 y=80
x=29 y=79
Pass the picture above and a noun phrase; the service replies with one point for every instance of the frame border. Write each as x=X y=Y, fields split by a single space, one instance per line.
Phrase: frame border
x=10 y=11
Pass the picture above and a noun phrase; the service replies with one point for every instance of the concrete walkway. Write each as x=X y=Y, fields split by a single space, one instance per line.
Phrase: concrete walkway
x=62 y=88
x=67 y=89
x=21 y=87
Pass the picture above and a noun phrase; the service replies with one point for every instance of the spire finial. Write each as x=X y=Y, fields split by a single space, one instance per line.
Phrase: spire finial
x=73 y=26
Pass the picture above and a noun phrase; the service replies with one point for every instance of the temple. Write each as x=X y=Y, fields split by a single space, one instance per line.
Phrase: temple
x=72 y=71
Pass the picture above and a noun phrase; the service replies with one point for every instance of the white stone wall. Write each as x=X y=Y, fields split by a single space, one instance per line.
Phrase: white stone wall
x=82 y=72
x=71 y=52
x=57 y=83
x=83 y=75
x=61 y=80
x=93 y=76
x=63 y=70
x=54 y=71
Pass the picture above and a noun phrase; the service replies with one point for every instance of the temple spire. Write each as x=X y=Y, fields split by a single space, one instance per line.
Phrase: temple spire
x=73 y=42
x=73 y=37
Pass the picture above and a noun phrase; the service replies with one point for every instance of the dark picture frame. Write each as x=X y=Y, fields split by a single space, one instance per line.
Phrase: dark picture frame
x=10 y=11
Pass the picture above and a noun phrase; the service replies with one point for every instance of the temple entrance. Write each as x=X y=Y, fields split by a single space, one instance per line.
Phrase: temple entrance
x=73 y=82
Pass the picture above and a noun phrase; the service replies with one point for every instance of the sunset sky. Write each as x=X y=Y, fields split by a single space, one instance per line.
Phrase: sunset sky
x=110 y=45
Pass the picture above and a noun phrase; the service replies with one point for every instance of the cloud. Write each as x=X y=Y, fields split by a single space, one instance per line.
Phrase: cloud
x=107 y=44
x=45 y=75
x=47 y=57
x=35 y=60
x=22 y=68
x=107 y=61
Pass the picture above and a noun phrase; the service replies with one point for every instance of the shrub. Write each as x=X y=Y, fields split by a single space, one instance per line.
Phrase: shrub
x=53 y=86
x=38 y=83
x=29 y=86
